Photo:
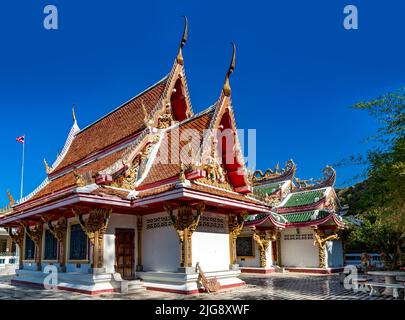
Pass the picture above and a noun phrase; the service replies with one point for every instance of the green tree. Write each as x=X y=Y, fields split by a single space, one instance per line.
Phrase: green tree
x=379 y=201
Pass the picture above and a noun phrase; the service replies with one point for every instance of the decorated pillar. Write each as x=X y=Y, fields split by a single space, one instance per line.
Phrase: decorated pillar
x=263 y=244
x=279 y=258
x=321 y=239
x=185 y=223
x=139 y=225
x=36 y=236
x=59 y=231
x=95 y=227
x=18 y=239
x=235 y=225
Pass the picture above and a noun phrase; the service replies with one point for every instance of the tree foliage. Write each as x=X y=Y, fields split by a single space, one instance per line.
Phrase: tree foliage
x=379 y=201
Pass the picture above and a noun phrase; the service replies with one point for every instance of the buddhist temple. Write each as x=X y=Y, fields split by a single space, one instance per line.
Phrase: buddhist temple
x=155 y=196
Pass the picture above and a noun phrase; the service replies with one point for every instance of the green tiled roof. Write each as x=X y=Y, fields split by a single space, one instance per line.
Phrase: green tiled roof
x=267 y=189
x=304 y=198
x=305 y=216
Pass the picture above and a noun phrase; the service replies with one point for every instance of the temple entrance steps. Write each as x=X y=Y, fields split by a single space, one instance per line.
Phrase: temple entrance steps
x=135 y=286
x=280 y=269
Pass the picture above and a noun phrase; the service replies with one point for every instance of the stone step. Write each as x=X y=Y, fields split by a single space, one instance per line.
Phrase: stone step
x=135 y=285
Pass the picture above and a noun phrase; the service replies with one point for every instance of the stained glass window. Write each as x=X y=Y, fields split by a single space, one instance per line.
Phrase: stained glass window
x=78 y=243
x=51 y=246
x=29 y=248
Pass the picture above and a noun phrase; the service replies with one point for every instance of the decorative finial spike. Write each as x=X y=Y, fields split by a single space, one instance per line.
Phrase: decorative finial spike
x=227 y=87
x=179 y=58
x=73 y=113
x=10 y=198
x=145 y=113
x=47 y=168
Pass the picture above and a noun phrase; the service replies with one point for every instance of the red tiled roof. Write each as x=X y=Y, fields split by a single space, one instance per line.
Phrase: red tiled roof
x=68 y=180
x=161 y=171
x=223 y=193
x=116 y=126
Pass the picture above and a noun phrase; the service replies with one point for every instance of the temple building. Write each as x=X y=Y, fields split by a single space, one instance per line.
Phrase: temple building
x=155 y=196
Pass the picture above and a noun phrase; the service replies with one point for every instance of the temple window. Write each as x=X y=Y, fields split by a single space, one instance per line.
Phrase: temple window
x=244 y=246
x=29 y=248
x=3 y=245
x=178 y=102
x=51 y=246
x=78 y=243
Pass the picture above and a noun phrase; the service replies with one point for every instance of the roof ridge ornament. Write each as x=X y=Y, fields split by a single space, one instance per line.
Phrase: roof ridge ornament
x=10 y=198
x=227 y=88
x=73 y=113
x=180 y=59
x=47 y=167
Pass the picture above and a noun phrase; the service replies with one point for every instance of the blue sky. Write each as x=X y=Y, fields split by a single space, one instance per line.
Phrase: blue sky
x=297 y=72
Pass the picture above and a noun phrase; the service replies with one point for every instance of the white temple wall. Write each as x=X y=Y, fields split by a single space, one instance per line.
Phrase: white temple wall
x=118 y=221
x=211 y=243
x=298 y=250
x=334 y=251
x=211 y=250
x=160 y=244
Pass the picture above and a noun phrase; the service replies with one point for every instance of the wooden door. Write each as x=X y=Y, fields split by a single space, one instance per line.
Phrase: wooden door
x=125 y=253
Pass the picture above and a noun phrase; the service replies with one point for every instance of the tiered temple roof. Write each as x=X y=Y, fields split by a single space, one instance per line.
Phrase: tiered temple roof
x=117 y=161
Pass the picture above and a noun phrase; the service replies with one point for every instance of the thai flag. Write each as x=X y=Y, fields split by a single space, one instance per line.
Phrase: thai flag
x=20 y=139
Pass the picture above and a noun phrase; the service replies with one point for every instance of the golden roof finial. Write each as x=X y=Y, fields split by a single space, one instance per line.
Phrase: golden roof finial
x=10 y=198
x=145 y=113
x=179 y=58
x=47 y=167
x=73 y=113
x=227 y=87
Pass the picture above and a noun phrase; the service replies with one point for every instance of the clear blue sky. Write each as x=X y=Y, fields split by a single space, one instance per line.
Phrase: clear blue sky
x=297 y=72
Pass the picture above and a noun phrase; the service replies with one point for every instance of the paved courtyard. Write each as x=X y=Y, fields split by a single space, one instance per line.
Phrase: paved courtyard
x=270 y=287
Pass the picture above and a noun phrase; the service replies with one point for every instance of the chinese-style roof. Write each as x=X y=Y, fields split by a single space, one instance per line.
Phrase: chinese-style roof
x=298 y=219
x=303 y=198
x=119 y=124
x=305 y=216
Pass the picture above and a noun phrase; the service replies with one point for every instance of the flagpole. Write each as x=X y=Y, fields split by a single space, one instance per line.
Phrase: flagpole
x=22 y=170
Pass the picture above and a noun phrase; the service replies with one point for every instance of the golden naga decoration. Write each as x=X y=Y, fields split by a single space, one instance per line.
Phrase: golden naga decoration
x=321 y=240
x=185 y=223
x=227 y=88
x=269 y=174
x=273 y=199
x=303 y=184
x=214 y=171
x=128 y=178
x=263 y=245
x=95 y=227
x=84 y=179
x=145 y=114
x=235 y=226
x=10 y=198
x=211 y=285
x=182 y=173
x=165 y=120
x=180 y=59
x=47 y=167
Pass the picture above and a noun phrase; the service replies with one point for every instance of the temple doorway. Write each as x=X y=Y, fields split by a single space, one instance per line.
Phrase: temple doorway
x=125 y=253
